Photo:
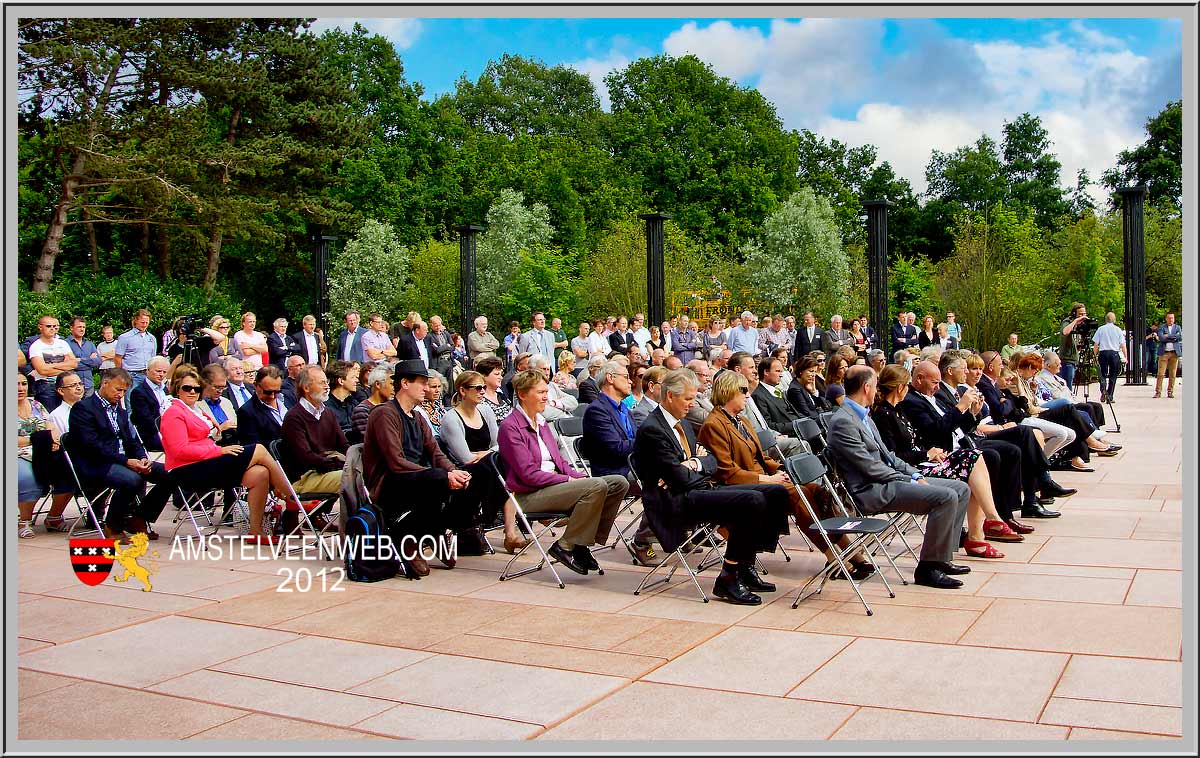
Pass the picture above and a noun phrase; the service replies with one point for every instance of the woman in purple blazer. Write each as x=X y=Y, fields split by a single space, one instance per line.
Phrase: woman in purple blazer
x=544 y=482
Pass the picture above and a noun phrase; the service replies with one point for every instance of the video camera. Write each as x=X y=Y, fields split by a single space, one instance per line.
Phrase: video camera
x=187 y=325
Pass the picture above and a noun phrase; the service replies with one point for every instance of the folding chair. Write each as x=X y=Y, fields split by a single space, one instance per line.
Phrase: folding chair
x=767 y=440
x=702 y=533
x=554 y=518
x=580 y=410
x=806 y=468
x=326 y=507
x=91 y=509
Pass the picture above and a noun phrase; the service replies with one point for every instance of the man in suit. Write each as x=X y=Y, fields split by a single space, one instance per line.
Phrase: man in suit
x=538 y=339
x=622 y=340
x=588 y=389
x=236 y=390
x=678 y=494
x=288 y=391
x=835 y=336
x=116 y=459
x=349 y=341
x=416 y=345
x=808 y=338
x=904 y=335
x=260 y=420
x=608 y=434
x=1170 y=347
x=280 y=344
x=869 y=333
x=310 y=342
x=148 y=400
x=883 y=483
x=785 y=443
x=703 y=405
x=651 y=383
x=439 y=338
x=769 y=398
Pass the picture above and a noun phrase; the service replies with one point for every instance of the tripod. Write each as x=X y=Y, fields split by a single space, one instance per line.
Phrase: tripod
x=1083 y=375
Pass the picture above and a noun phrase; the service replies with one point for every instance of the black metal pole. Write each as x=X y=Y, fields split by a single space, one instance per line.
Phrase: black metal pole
x=656 y=286
x=1133 y=235
x=321 y=270
x=466 y=275
x=877 y=264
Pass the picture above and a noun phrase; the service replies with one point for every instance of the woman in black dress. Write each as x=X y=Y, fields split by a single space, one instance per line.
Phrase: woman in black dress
x=803 y=393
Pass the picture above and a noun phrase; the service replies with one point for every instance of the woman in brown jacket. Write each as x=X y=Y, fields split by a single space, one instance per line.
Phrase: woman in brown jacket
x=741 y=460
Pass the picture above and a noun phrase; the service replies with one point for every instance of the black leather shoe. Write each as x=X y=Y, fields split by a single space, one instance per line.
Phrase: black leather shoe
x=953 y=569
x=565 y=557
x=1052 y=488
x=583 y=556
x=752 y=580
x=730 y=588
x=1035 y=510
x=1045 y=501
x=858 y=572
x=935 y=578
x=471 y=542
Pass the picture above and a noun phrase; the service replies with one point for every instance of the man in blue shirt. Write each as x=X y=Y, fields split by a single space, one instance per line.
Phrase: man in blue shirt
x=85 y=350
x=136 y=347
x=744 y=337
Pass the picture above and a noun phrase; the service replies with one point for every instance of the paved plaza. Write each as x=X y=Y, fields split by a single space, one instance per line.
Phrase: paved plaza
x=1075 y=635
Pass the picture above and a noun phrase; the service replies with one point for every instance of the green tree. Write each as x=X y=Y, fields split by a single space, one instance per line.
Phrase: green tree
x=370 y=273
x=838 y=172
x=543 y=281
x=911 y=285
x=513 y=229
x=1032 y=170
x=1157 y=162
x=435 y=282
x=800 y=263
x=713 y=154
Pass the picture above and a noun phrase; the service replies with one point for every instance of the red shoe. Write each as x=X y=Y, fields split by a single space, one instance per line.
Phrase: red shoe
x=1000 y=532
x=981 y=549
x=261 y=539
x=1020 y=527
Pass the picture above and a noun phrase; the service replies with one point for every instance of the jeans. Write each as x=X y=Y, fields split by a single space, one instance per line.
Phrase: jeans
x=1110 y=368
x=1067 y=373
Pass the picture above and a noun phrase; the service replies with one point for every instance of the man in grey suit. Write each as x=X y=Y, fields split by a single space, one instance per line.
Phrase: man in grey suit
x=699 y=412
x=538 y=339
x=835 y=336
x=883 y=483
x=651 y=382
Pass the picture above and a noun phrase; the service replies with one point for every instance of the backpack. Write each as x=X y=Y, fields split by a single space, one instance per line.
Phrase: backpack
x=365 y=547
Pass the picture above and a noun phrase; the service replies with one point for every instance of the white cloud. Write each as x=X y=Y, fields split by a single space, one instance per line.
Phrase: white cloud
x=401 y=32
x=597 y=68
x=1094 y=37
x=732 y=51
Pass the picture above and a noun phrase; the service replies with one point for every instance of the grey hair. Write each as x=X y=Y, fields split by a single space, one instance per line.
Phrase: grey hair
x=157 y=360
x=434 y=376
x=537 y=360
x=931 y=351
x=378 y=375
x=900 y=356
x=308 y=377
x=597 y=362
x=839 y=318
x=1049 y=356
x=279 y=321
x=608 y=370
x=715 y=352
x=746 y=314
x=477 y=318
x=872 y=353
x=680 y=380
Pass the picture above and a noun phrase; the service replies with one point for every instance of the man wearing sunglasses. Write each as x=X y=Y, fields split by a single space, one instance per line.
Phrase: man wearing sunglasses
x=260 y=420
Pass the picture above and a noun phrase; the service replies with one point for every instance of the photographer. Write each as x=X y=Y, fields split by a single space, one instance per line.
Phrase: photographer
x=1077 y=326
x=191 y=342
x=1109 y=347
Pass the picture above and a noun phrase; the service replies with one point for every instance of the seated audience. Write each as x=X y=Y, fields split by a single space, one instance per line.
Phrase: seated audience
x=544 y=481
x=343 y=385
x=196 y=462
x=1074 y=416
x=876 y=359
x=236 y=388
x=292 y=366
x=214 y=380
x=1052 y=390
x=471 y=434
x=149 y=400
x=678 y=497
x=261 y=419
x=835 y=373
x=703 y=406
x=785 y=442
x=558 y=402
x=494 y=398
x=884 y=483
x=379 y=382
x=38 y=441
x=588 y=389
x=432 y=407
x=70 y=388
x=803 y=394
x=651 y=384
x=565 y=377
x=313 y=447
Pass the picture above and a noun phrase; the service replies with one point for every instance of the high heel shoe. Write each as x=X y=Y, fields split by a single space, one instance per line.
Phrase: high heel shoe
x=998 y=531
x=981 y=549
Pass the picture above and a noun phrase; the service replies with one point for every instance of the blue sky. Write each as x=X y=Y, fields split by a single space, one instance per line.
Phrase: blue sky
x=908 y=86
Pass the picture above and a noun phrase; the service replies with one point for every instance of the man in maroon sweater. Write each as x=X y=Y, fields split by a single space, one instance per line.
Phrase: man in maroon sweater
x=313 y=447
x=406 y=471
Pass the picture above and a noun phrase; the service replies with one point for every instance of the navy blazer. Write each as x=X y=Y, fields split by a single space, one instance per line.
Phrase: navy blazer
x=933 y=430
x=280 y=347
x=302 y=347
x=588 y=391
x=406 y=349
x=144 y=408
x=903 y=336
x=92 y=444
x=256 y=423
x=778 y=413
x=605 y=442
x=356 y=350
x=622 y=345
x=803 y=345
x=665 y=480
x=228 y=393
x=1000 y=407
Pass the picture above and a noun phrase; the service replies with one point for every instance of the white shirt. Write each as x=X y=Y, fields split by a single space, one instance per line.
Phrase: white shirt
x=256 y=340
x=1171 y=330
x=597 y=345
x=160 y=392
x=421 y=351
x=350 y=335
x=315 y=410
x=641 y=337
x=958 y=434
x=673 y=422
x=240 y=394
x=61 y=416
x=547 y=462
x=310 y=342
x=1110 y=337
x=49 y=352
x=752 y=409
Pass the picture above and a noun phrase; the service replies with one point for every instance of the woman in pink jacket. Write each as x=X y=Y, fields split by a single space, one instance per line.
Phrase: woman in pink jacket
x=200 y=465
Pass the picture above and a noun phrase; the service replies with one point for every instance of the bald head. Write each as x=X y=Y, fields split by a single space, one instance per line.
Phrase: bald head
x=859 y=385
x=926 y=377
x=1111 y=317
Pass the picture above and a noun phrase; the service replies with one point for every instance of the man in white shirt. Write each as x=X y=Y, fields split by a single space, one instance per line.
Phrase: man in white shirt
x=237 y=391
x=641 y=335
x=70 y=388
x=50 y=355
x=537 y=339
x=309 y=341
x=1109 y=344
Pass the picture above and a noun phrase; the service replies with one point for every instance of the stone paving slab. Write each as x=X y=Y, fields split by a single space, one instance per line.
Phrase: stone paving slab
x=1075 y=635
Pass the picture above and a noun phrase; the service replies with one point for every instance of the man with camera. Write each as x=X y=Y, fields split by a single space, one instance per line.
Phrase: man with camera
x=1075 y=328
x=1109 y=346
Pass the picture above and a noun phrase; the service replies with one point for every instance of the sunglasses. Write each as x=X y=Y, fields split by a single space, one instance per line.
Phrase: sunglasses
x=268 y=393
x=476 y=387
x=189 y=388
x=744 y=390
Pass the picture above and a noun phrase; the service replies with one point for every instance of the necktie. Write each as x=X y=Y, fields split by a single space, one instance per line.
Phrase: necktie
x=778 y=393
x=683 y=443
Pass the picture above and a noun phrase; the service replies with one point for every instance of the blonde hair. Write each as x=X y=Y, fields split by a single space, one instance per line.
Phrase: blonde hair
x=727 y=386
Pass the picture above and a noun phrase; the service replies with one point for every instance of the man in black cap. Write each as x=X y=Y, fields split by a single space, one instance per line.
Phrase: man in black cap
x=407 y=471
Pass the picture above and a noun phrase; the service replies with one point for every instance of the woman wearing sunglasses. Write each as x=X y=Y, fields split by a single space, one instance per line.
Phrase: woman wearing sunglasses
x=200 y=465
x=470 y=433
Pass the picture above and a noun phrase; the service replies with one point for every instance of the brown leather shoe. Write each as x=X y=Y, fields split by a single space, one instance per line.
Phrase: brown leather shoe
x=419 y=566
x=644 y=554
x=512 y=546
